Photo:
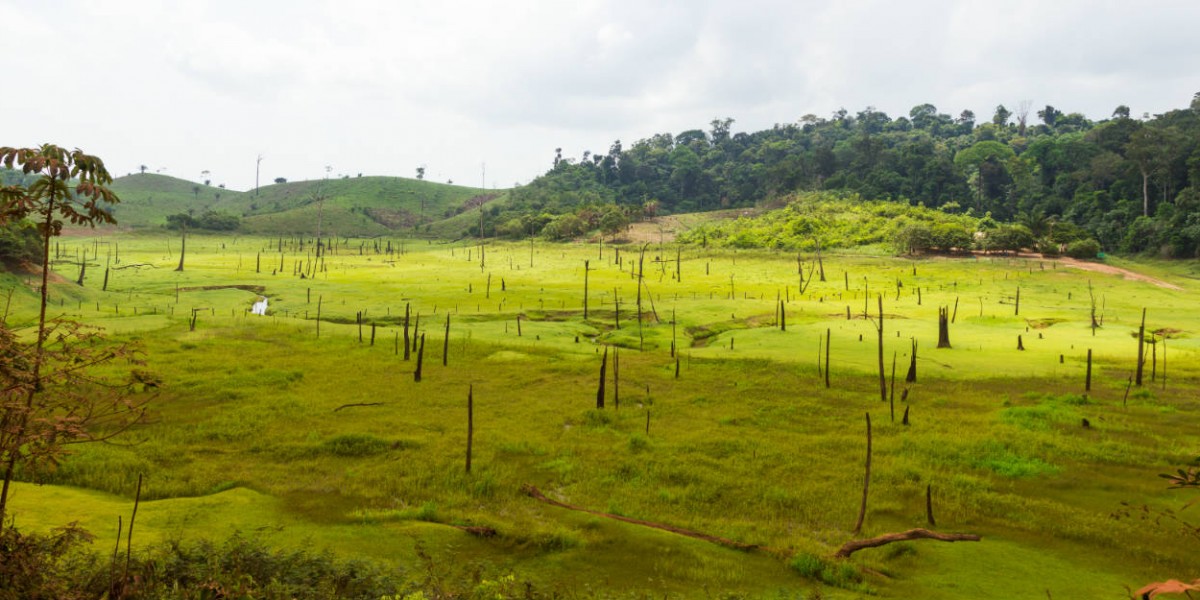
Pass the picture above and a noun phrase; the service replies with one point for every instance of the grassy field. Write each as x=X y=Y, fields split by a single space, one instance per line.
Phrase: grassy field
x=307 y=434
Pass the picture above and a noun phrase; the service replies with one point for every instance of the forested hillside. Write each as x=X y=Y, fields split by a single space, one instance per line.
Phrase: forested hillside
x=1132 y=183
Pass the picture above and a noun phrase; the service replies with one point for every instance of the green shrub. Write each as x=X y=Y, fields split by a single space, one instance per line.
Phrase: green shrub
x=951 y=236
x=831 y=572
x=1083 y=249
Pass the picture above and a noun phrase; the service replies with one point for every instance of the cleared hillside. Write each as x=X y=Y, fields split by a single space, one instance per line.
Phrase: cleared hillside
x=357 y=206
x=147 y=199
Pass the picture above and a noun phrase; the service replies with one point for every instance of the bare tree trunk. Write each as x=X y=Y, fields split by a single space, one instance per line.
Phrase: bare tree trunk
x=1087 y=385
x=641 y=270
x=911 y=376
x=943 y=327
x=862 y=509
x=827 y=357
x=182 y=247
x=1141 y=359
x=929 y=505
x=420 y=359
x=882 y=381
x=820 y=263
x=600 y=388
x=445 y=341
x=407 y=341
x=892 y=389
x=1145 y=194
x=470 y=423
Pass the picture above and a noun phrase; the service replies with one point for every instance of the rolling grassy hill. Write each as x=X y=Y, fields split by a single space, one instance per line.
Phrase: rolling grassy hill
x=147 y=199
x=358 y=206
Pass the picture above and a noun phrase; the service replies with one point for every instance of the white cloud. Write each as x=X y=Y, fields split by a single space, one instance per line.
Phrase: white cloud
x=384 y=87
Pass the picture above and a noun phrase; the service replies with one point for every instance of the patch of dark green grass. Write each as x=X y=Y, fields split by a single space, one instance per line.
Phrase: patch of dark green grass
x=354 y=445
x=840 y=574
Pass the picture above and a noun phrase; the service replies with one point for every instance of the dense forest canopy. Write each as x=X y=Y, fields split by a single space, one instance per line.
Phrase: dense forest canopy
x=1134 y=184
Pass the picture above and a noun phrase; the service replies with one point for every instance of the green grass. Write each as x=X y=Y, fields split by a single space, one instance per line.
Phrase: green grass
x=331 y=440
x=147 y=198
x=353 y=206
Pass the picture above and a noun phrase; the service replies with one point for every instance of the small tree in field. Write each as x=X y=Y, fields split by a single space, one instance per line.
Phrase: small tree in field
x=50 y=396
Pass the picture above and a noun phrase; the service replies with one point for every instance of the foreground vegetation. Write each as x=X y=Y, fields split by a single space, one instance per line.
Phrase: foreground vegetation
x=315 y=434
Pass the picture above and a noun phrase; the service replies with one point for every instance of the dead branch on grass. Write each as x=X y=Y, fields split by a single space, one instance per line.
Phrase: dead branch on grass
x=853 y=546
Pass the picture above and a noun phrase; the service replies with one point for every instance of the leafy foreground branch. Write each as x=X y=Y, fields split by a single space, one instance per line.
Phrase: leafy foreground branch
x=1180 y=480
x=51 y=394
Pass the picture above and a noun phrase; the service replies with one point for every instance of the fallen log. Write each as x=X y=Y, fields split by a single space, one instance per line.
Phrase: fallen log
x=536 y=494
x=853 y=546
x=359 y=404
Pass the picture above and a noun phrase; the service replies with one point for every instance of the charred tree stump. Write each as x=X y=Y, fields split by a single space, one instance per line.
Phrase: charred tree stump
x=420 y=360
x=892 y=389
x=911 y=376
x=1141 y=359
x=600 y=387
x=943 y=327
x=446 y=342
x=879 y=327
x=407 y=342
x=827 y=358
x=1087 y=382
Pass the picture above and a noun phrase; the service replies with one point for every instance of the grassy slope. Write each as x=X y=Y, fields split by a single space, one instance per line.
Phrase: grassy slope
x=747 y=444
x=146 y=200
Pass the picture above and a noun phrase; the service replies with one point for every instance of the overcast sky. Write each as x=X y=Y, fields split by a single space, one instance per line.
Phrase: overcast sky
x=384 y=87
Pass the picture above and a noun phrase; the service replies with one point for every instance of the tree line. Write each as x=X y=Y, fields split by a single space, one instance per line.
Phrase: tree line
x=1132 y=184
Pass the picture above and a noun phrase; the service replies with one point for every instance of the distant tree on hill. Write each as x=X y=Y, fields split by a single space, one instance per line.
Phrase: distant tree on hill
x=143 y=168
x=1002 y=116
x=280 y=180
x=420 y=173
